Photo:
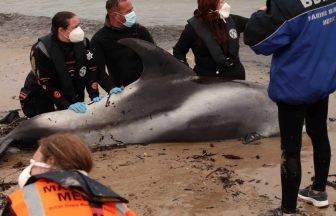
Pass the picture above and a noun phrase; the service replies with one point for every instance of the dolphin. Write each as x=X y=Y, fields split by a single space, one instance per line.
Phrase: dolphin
x=168 y=103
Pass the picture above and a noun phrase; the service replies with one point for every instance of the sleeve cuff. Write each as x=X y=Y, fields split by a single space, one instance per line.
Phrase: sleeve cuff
x=93 y=95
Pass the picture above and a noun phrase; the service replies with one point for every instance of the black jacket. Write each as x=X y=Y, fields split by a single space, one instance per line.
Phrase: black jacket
x=65 y=71
x=204 y=63
x=122 y=63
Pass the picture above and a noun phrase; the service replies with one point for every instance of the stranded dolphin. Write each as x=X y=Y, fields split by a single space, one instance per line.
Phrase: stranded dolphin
x=166 y=104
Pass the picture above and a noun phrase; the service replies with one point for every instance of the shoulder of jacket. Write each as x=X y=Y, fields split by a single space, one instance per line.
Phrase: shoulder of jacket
x=16 y=195
x=43 y=48
x=100 y=34
x=102 y=30
x=141 y=27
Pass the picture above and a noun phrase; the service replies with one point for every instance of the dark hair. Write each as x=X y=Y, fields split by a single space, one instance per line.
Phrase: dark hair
x=113 y=4
x=61 y=20
x=207 y=12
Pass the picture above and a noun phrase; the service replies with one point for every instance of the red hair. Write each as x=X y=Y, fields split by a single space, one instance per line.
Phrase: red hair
x=207 y=12
x=69 y=152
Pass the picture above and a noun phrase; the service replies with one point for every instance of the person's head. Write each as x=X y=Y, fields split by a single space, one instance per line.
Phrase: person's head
x=120 y=13
x=65 y=25
x=58 y=152
x=209 y=12
x=64 y=152
x=210 y=5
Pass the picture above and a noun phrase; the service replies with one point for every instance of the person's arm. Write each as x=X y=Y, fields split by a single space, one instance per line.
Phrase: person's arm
x=92 y=75
x=99 y=59
x=184 y=44
x=240 y=22
x=47 y=80
x=267 y=30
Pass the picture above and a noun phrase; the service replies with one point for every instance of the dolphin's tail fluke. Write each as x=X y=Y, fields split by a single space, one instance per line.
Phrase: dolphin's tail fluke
x=5 y=142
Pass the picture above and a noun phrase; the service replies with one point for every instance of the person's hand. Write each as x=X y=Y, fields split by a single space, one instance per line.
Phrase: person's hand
x=116 y=90
x=263 y=8
x=78 y=107
x=97 y=99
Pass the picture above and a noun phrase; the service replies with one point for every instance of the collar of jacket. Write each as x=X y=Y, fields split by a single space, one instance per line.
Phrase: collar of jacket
x=75 y=180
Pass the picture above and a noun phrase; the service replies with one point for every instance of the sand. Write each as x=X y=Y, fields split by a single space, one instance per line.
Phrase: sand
x=167 y=179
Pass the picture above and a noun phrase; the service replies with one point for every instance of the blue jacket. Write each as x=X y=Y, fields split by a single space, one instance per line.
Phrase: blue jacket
x=301 y=35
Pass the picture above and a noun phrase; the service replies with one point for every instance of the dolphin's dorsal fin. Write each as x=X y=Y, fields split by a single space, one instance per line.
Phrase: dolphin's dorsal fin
x=156 y=61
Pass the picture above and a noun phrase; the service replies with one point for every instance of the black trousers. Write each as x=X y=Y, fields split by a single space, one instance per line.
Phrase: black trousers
x=291 y=120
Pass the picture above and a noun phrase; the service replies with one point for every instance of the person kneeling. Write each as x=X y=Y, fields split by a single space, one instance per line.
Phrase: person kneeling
x=62 y=67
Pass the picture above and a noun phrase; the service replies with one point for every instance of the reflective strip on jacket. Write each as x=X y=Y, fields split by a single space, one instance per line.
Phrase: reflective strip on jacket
x=50 y=199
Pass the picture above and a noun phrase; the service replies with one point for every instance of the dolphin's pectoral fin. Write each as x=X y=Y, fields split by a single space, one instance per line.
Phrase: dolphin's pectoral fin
x=4 y=144
x=11 y=117
x=156 y=61
x=251 y=137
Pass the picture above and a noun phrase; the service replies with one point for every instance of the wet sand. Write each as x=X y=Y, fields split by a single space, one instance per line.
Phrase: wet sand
x=168 y=179
x=177 y=179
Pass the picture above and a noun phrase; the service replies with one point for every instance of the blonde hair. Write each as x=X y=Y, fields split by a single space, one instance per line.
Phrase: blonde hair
x=68 y=151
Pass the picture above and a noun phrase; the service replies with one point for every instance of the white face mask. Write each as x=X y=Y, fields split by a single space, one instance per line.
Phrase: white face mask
x=224 y=12
x=25 y=174
x=83 y=172
x=76 y=35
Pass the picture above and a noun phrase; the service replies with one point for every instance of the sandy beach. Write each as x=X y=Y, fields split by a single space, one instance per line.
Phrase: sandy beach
x=213 y=178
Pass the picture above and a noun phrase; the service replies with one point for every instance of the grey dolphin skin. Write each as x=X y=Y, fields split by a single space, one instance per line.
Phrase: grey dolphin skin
x=166 y=104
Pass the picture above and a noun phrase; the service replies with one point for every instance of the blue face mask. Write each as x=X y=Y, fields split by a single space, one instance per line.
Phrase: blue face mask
x=130 y=19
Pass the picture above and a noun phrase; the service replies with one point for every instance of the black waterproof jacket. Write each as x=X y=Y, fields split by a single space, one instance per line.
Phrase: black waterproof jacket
x=118 y=65
x=205 y=65
x=64 y=85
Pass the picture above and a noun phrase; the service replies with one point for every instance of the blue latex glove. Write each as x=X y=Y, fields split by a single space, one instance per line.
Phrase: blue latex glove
x=78 y=107
x=116 y=90
x=97 y=99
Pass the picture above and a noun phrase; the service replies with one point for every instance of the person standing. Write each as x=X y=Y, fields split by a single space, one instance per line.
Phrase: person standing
x=122 y=63
x=62 y=67
x=300 y=35
x=213 y=36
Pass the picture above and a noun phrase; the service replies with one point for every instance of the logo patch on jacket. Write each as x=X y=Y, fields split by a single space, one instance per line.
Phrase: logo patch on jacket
x=89 y=56
x=57 y=95
x=82 y=71
x=22 y=96
x=233 y=33
x=308 y=3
